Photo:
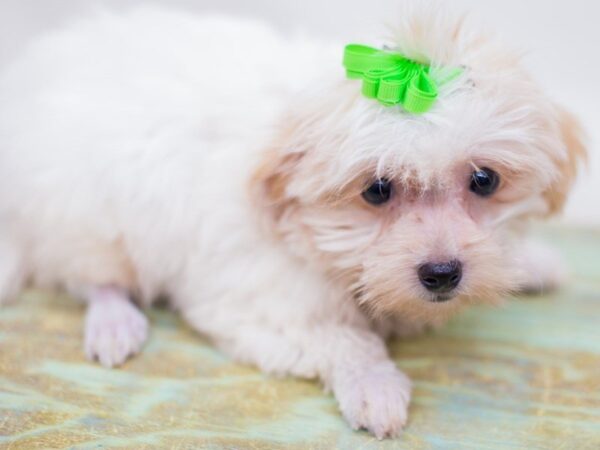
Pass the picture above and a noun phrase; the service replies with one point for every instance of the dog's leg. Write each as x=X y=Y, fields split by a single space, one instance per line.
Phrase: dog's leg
x=114 y=327
x=351 y=361
x=287 y=319
x=541 y=266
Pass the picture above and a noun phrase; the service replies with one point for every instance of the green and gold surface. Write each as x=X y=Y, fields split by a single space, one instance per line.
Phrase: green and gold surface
x=524 y=376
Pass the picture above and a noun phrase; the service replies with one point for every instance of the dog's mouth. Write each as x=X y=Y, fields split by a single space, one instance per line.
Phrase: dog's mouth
x=442 y=298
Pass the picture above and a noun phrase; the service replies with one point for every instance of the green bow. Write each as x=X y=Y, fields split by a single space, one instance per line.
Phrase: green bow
x=391 y=78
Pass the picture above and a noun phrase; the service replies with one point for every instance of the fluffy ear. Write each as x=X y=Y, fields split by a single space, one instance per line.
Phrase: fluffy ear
x=272 y=175
x=573 y=138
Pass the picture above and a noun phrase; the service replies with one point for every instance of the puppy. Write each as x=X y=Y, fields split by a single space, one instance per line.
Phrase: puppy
x=288 y=217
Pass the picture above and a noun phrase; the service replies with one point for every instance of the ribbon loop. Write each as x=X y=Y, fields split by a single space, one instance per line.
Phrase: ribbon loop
x=391 y=78
x=359 y=59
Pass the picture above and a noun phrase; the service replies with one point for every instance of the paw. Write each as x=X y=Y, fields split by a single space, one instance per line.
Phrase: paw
x=542 y=268
x=375 y=399
x=114 y=330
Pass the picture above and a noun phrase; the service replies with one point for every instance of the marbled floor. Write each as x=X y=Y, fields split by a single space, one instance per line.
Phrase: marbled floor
x=525 y=376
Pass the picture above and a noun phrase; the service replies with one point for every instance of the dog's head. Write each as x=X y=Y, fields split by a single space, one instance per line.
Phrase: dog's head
x=412 y=212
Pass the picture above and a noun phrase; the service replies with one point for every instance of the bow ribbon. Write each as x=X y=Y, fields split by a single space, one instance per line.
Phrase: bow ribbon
x=391 y=78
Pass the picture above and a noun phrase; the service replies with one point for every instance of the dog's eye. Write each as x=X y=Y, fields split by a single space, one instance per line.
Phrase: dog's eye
x=379 y=192
x=484 y=182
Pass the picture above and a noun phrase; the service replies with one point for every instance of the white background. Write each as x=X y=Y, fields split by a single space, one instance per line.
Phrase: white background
x=561 y=37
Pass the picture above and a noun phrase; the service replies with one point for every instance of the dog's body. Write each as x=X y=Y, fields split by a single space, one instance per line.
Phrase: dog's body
x=136 y=163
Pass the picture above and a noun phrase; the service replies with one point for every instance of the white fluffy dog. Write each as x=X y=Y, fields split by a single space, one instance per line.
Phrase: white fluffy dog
x=289 y=218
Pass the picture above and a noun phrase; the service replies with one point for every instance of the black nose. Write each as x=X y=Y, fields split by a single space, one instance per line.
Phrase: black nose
x=440 y=277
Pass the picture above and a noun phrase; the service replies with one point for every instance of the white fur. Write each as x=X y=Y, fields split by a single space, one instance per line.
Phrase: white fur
x=114 y=328
x=127 y=144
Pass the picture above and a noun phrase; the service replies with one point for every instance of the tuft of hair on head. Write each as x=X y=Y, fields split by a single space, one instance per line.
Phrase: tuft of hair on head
x=436 y=33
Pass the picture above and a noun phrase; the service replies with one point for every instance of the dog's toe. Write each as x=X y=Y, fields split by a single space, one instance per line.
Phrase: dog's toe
x=114 y=332
x=376 y=400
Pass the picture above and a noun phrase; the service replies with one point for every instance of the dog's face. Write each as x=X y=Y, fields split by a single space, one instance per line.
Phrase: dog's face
x=413 y=213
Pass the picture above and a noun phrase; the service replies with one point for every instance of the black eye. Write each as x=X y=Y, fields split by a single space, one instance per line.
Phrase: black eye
x=484 y=182
x=379 y=192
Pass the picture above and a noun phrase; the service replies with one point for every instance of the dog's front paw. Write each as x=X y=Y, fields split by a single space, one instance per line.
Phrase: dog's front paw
x=543 y=270
x=114 y=330
x=375 y=399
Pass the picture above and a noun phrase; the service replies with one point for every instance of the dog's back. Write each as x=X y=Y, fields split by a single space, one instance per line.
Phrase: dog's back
x=115 y=135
